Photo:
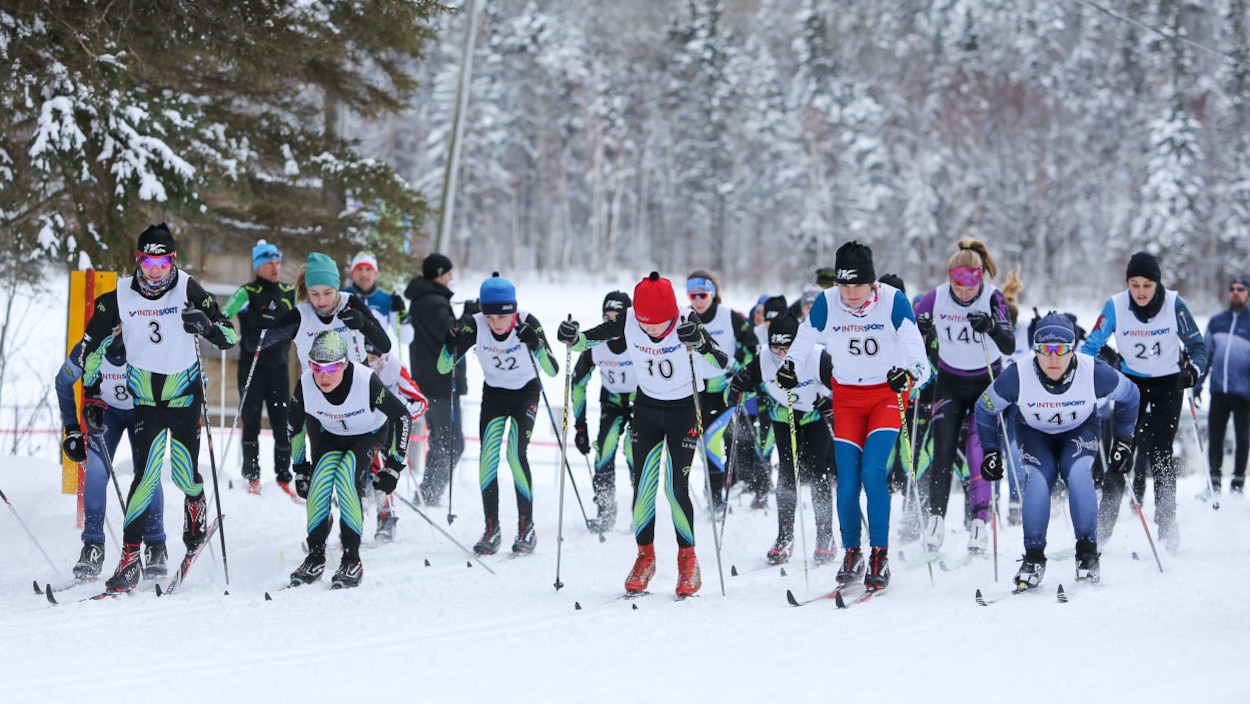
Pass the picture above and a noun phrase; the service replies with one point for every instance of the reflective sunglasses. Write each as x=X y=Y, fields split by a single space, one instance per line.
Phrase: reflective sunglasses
x=700 y=295
x=1236 y=288
x=331 y=368
x=1059 y=349
x=156 y=262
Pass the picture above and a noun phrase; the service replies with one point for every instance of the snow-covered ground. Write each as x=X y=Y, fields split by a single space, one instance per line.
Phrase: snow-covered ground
x=448 y=632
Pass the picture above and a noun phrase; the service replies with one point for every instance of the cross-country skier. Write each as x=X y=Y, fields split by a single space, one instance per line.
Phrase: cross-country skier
x=161 y=312
x=806 y=381
x=395 y=378
x=349 y=416
x=259 y=304
x=618 y=379
x=1058 y=432
x=878 y=354
x=966 y=320
x=1162 y=351
x=510 y=344
x=660 y=344
x=108 y=410
x=1228 y=340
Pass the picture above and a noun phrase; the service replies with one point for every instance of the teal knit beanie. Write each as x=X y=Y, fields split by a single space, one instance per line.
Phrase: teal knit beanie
x=321 y=271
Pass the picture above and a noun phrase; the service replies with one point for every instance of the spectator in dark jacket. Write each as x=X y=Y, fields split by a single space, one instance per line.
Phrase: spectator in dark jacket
x=1228 y=339
x=431 y=317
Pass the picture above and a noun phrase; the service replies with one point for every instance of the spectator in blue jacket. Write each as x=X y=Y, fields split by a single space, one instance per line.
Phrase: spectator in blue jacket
x=1228 y=339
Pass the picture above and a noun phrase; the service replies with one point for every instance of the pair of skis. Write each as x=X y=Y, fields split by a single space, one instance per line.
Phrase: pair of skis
x=839 y=596
x=1060 y=595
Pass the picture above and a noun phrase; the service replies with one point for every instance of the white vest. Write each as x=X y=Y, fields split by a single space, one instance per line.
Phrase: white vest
x=661 y=368
x=959 y=346
x=808 y=371
x=152 y=330
x=113 y=387
x=616 y=371
x=720 y=329
x=1153 y=348
x=505 y=365
x=353 y=416
x=310 y=325
x=864 y=349
x=1058 y=413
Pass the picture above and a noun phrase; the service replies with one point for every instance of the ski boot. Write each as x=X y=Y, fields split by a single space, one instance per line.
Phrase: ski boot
x=826 y=549
x=491 y=537
x=350 y=571
x=759 y=498
x=934 y=533
x=526 y=537
x=194 y=523
x=878 y=576
x=1237 y=485
x=154 y=558
x=643 y=570
x=605 y=502
x=688 y=578
x=852 y=566
x=978 y=537
x=1087 y=561
x=779 y=554
x=1032 y=569
x=90 y=560
x=251 y=467
x=311 y=568
x=126 y=576
x=386 y=526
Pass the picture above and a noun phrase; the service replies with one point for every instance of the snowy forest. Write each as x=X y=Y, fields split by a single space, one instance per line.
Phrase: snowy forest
x=750 y=136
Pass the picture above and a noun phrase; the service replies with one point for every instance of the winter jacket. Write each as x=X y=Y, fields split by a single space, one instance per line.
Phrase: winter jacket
x=1228 y=339
x=431 y=317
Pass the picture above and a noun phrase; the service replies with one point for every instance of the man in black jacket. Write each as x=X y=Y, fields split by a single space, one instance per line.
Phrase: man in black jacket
x=432 y=317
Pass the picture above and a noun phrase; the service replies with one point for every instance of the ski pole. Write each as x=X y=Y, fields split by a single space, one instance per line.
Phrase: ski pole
x=911 y=465
x=99 y=446
x=564 y=436
x=444 y=533
x=798 y=492
x=451 y=463
x=225 y=456
x=1193 y=414
x=33 y=539
x=701 y=447
x=212 y=463
x=1011 y=462
x=734 y=429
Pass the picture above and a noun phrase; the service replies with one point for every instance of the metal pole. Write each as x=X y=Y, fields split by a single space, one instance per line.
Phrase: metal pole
x=447 y=207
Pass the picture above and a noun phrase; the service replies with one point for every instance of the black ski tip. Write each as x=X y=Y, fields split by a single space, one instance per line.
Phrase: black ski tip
x=468 y=563
x=158 y=589
x=427 y=562
x=837 y=599
x=1063 y=598
x=733 y=570
x=558 y=585
x=602 y=539
x=35 y=584
x=227 y=593
x=783 y=571
x=267 y=597
x=633 y=607
x=47 y=591
x=577 y=606
x=229 y=483
x=790 y=598
x=1135 y=557
x=980 y=599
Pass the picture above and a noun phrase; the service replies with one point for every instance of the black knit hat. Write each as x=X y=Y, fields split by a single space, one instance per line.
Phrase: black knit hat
x=825 y=277
x=782 y=329
x=894 y=280
x=156 y=241
x=616 y=301
x=435 y=265
x=774 y=307
x=1145 y=265
x=853 y=264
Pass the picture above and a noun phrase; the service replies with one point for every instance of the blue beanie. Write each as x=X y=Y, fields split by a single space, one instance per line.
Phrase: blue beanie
x=264 y=252
x=321 y=271
x=1054 y=328
x=498 y=295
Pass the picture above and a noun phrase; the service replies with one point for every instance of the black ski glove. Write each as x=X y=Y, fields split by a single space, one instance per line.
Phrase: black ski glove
x=75 y=444
x=689 y=334
x=740 y=383
x=581 y=438
x=471 y=307
x=924 y=322
x=981 y=322
x=567 y=332
x=1121 y=458
x=303 y=477
x=824 y=406
x=93 y=414
x=992 y=466
x=529 y=336
x=898 y=379
x=1188 y=376
x=787 y=378
x=352 y=318
x=387 y=477
x=451 y=341
x=196 y=322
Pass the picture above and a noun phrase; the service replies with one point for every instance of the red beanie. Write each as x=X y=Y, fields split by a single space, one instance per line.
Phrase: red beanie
x=654 y=301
